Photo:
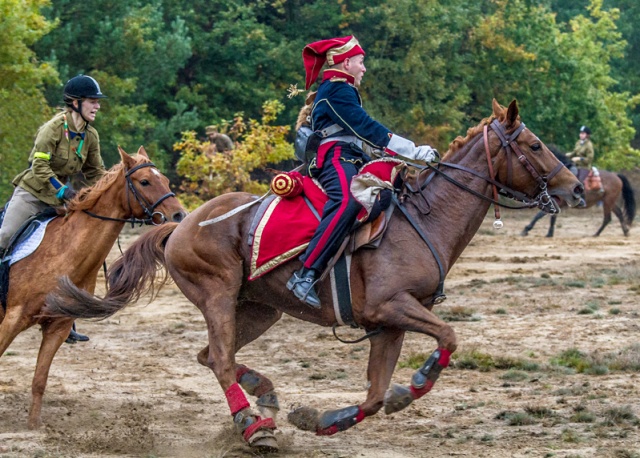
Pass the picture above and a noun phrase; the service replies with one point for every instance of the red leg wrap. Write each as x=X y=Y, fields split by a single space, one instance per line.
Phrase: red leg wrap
x=419 y=392
x=445 y=357
x=344 y=425
x=261 y=423
x=236 y=399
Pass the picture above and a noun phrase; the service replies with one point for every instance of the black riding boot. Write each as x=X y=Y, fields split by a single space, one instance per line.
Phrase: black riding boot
x=75 y=337
x=302 y=284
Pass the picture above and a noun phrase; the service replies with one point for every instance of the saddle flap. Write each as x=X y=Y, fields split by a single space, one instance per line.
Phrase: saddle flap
x=370 y=234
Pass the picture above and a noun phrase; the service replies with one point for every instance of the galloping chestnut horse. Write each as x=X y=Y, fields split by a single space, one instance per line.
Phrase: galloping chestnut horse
x=614 y=185
x=393 y=287
x=76 y=246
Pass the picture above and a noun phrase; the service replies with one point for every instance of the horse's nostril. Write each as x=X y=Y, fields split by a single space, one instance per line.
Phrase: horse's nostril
x=578 y=190
x=177 y=217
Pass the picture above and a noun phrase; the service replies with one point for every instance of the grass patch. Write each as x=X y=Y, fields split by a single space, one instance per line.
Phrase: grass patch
x=514 y=376
x=516 y=418
x=500 y=311
x=625 y=360
x=457 y=313
x=539 y=411
x=614 y=311
x=475 y=359
x=575 y=284
x=414 y=360
x=619 y=415
x=11 y=353
x=583 y=417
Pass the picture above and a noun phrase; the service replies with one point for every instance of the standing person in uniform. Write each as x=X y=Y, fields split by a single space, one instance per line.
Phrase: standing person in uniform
x=65 y=145
x=337 y=113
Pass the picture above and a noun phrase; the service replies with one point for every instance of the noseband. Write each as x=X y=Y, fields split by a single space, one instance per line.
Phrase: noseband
x=149 y=210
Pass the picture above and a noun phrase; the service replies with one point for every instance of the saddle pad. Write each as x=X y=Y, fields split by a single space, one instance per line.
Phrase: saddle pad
x=26 y=246
x=287 y=225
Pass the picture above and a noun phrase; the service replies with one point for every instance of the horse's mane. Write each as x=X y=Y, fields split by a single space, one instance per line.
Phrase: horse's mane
x=87 y=197
x=459 y=142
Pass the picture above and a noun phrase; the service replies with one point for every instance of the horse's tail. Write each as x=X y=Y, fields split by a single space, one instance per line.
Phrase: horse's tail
x=132 y=275
x=629 y=199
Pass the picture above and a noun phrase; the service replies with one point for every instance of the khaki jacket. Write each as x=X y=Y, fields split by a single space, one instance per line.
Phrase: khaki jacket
x=55 y=156
x=583 y=150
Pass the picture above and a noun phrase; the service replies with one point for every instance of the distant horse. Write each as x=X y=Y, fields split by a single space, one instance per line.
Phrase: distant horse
x=614 y=185
x=393 y=287
x=76 y=246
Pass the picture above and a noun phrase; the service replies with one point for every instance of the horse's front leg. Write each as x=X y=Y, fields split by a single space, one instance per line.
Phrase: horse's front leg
x=383 y=356
x=533 y=222
x=216 y=298
x=54 y=333
x=407 y=313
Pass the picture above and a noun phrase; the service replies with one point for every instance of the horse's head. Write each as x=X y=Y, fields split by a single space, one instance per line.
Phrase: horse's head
x=525 y=164
x=148 y=194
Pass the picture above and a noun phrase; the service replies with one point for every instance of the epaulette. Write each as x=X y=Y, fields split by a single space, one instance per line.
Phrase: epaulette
x=335 y=79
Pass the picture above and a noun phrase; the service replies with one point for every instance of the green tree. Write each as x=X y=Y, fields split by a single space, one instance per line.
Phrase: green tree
x=22 y=104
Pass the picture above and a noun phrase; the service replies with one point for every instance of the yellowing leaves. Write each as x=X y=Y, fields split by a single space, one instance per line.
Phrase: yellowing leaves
x=206 y=173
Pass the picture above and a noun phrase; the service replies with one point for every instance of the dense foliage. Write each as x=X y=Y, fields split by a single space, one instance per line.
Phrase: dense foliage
x=174 y=66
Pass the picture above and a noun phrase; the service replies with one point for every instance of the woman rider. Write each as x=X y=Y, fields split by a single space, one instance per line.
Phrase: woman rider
x=64 y=145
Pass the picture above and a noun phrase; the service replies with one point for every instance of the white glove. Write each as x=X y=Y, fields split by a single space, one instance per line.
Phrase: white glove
x=427 y=154
x=408 y=149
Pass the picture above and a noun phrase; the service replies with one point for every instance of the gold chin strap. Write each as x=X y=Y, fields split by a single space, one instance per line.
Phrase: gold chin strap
x=341 y=50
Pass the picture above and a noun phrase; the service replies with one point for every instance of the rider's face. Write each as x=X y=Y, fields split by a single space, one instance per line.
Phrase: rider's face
x=354 y=66
x=89 y=108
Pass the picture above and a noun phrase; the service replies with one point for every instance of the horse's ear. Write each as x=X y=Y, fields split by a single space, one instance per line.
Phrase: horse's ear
x=143 y=152
x=127 y=160
x=512 y=113
x=498 y=110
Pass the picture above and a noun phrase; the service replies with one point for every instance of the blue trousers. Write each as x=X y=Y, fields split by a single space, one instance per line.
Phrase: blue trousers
x=339 y=214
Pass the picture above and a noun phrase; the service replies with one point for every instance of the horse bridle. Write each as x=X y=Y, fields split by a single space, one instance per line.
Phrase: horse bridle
x=542 y=200
x=148 y=209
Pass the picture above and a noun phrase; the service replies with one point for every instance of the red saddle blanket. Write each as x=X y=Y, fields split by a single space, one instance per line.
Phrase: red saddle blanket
x=287 y=225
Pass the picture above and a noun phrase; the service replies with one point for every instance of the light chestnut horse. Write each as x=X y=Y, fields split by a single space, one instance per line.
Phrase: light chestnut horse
x=76 y=246
x=393 y=287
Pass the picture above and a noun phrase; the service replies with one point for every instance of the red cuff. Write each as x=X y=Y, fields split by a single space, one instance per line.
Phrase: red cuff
x=236 y=399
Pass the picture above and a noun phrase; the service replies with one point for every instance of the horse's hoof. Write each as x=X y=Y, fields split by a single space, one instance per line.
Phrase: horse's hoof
x=264 y=441
x=397 y=398
x=304 y=418
x=524 y=233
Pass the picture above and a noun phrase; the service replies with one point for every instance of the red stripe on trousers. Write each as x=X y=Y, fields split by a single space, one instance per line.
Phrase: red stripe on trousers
x=345 y=201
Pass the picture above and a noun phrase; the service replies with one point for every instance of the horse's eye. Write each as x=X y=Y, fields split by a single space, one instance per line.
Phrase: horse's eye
x=145 y=182
x=536 y=147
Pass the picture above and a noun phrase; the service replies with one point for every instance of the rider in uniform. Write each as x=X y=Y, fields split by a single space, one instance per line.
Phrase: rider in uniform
x=64 y=146
x=583 y=154
x=346 y=127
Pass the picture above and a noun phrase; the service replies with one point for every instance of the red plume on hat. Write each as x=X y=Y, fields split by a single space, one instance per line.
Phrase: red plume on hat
x=333 y=51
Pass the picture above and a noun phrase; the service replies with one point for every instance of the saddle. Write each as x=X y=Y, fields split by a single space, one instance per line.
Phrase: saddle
x=19 y=248
x=589 y=179
x=285 y=222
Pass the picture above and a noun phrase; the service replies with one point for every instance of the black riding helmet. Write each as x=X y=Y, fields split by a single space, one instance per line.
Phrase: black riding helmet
x=81 y=87
x=586 y=130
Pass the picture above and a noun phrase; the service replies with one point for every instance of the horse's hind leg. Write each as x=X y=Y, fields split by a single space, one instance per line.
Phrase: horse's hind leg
x=618 y=212
x=12 y=325
x=383 y=356
x=252 y=320
x=606 y=220
x=54 y=332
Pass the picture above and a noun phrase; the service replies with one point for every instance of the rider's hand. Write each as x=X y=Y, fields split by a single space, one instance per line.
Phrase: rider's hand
x=65 y=193
x=576 y=159
x=427 y=154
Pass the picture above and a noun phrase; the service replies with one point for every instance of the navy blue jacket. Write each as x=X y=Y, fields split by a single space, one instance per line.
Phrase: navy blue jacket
x=338 y=102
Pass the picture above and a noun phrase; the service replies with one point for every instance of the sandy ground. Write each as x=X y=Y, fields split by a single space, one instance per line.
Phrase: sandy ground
x=136 y=389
